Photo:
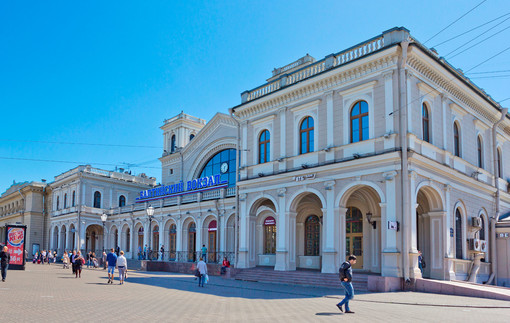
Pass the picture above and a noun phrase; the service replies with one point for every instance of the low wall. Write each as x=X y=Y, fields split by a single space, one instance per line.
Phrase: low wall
x=384 y=284
x=180 y=267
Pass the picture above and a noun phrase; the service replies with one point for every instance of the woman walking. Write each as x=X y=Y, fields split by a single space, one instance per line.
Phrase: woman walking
x=78 y=263
x=122 y=266
x=65 y=260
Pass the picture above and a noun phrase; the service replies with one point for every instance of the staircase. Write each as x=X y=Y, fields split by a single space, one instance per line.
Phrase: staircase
x=300 y=277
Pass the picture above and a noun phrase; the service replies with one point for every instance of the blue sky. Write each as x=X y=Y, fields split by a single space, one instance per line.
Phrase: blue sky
x=110 y=72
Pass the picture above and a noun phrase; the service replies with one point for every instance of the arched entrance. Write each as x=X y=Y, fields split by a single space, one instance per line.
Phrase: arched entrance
x=212 y=230
x=192 y=242
x=263 y=226
x=94 y=240
x=172 y=242
x=125 y=238
x=155 y=238
x=429 y=231
x=308 y=231
x=360 y=226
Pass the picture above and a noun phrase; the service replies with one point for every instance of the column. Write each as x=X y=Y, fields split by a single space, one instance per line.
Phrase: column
x=341 y=213
x=282 y=251
x=390 y=254
x=388 y=107
x=243 y=232
x=449 y=252
x=82 y=236
x=410 y=105
x=329 y=229
x=330 y=126
x=444 y=100
x=162 y=234
x=179 y=235
x=200 y=233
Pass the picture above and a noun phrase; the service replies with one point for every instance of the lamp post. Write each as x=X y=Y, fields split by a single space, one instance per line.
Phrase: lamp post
x=103 y=218
x=150 y=213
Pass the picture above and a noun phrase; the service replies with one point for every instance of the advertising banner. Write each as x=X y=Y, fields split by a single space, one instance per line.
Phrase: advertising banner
x=15 y=241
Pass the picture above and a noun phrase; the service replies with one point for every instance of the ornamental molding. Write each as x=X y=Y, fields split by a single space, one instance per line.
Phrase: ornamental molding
x=315 y=85
x=441 y=83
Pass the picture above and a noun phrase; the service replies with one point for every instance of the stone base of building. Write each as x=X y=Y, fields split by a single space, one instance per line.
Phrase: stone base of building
x=182 y=267
x=384 y=284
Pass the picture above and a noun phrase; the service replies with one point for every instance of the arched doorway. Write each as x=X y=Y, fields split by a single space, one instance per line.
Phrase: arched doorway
x=430 y=231
x=125 y=240
x=308 y=231
x=360 y=226
x=155 y=238
x=172 y=242
x=263 y=226
x=354 y=235
x=192 y=242
x=140 y=241
x=94 y=239
x=211 y=241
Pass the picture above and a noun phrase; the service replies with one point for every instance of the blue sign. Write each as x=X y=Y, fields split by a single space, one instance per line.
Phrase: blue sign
x=193 y=186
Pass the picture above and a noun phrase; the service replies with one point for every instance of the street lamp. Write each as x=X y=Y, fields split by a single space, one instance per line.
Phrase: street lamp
x=103 y=218
x=150 y=213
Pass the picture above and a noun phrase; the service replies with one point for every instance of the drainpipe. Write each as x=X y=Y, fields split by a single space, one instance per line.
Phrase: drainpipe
x=495 y=218
x=404 y=160
x=236 y=224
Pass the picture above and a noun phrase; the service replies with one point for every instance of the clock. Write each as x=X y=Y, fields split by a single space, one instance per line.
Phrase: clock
x=224 y=168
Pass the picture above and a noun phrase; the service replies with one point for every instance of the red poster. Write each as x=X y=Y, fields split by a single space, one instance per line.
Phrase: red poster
x=16 y=244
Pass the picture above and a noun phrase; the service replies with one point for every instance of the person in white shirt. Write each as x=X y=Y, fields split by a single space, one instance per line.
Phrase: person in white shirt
x=122 y=266
x=202 y=269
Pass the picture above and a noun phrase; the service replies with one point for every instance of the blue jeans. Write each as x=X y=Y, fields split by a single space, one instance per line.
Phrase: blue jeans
x=349 y=294
x=4 y=270
x=201 y=279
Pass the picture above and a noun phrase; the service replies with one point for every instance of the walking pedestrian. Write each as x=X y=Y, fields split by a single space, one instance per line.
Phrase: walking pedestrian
x=5 y=258
x=162 y=250
x=73 y=258
x=204 y=252
x=202 y=271
x=50 y=257
x=79 y=261
x=139 y=252
x=122 y=266
x=111 y=259
x=65 y=260
x=104 y=260
x=145 y=252
x=43 y=257
x=346 y=281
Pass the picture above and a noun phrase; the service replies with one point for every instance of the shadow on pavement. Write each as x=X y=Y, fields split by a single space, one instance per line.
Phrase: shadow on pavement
x=328 y=314
x=229 y=288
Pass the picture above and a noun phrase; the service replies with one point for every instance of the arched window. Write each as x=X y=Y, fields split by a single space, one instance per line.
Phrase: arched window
x=359 y=121
x=312 y=236
x=172 y=144
x=269 y=236
x=122 y=201
x=58 y=202
x=480 y=152
x=425 y=122
x=191 y=137
x=306 y=135
x=500 y=165
x=264 y=142
x=65 y=201
x=97 y=199
x=73 y=199
x=456 y=139
x=458 y=234
x=222 y=163
x=481 y=234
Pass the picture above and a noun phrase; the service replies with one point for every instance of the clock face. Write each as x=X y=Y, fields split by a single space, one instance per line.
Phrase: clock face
x=224 y=168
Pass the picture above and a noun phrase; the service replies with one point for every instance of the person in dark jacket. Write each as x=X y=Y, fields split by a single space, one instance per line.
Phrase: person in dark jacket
x=5 y=258
x=346 y=279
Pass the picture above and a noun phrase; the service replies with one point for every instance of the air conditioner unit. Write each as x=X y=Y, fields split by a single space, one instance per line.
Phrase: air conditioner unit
x=476 y=222
x=474 y=244
x=483 y=246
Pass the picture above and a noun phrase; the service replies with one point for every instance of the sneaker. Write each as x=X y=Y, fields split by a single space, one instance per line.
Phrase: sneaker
x=109 y=280
x=340 y=308
x=350 y=312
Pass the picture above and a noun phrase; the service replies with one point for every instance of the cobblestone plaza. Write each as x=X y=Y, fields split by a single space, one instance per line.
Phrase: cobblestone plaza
x=52 y=294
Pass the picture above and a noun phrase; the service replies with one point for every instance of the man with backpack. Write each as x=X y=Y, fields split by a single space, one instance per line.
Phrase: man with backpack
x=346 y=281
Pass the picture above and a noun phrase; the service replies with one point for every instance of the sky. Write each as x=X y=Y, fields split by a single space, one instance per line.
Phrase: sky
x=91 y=82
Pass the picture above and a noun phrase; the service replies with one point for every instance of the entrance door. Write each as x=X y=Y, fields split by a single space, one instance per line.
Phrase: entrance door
x=354 y=235
x=211 y=257
x=192 y=242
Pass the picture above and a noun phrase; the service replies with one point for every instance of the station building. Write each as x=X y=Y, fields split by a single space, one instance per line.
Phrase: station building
x=381 y=150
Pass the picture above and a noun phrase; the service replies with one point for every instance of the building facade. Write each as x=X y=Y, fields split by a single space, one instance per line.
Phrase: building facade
x=25 y=203
x=322 y=163
x=79 y=197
